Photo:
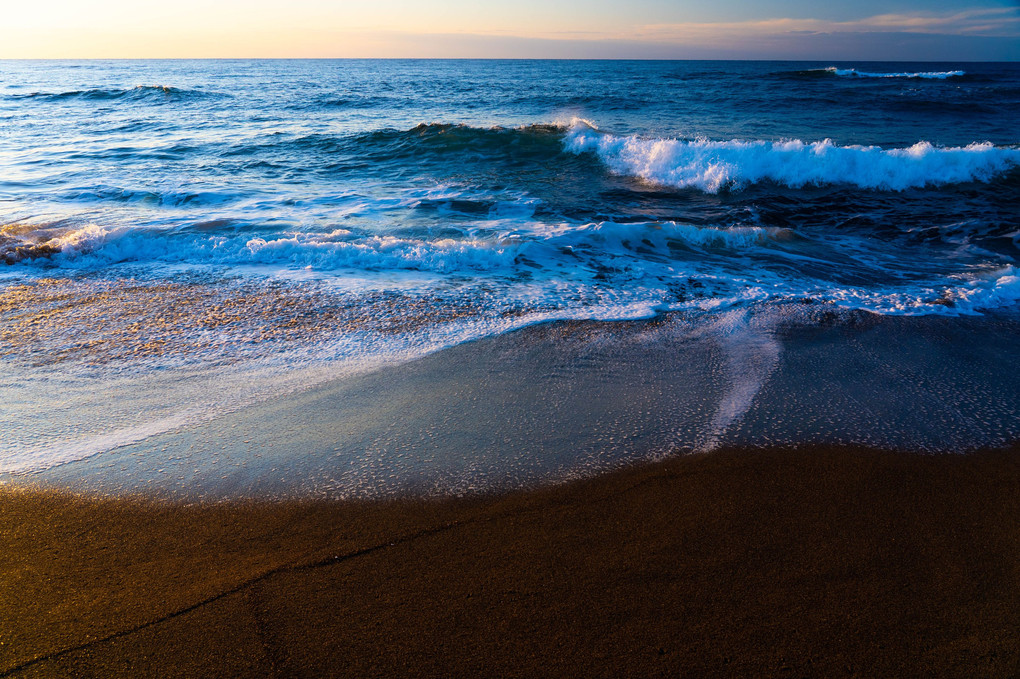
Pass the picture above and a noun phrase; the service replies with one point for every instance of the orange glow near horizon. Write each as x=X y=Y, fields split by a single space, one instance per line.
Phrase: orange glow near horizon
x=259 y=28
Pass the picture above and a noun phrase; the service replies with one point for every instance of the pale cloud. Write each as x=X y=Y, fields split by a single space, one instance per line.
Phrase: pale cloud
x=992 y=22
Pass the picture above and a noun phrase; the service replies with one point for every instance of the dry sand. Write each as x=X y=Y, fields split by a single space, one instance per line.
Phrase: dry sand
x=810 y=562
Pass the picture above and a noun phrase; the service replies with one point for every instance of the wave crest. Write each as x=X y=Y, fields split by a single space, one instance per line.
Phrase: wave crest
x=833 y=71
x=925 y=75
x=715 y=165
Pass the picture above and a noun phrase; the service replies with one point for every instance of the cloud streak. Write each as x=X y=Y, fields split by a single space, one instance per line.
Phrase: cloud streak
x=982 y=34
x=1002 y=22
x=977 y=34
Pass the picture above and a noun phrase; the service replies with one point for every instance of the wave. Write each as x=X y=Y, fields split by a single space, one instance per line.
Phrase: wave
x=926 y=75
x=457 y=250
x=168 y=198
x=703 y=164
x=27 y=242
x=715 y=165
x=423 y=140
x=94 y=246
x=139 y=92
x=14 y=250
x=445 y=137
x=965 y=296
x=681 y=265
x=854 y=73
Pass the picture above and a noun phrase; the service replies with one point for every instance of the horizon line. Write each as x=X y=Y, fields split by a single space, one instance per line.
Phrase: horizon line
x=255 y=58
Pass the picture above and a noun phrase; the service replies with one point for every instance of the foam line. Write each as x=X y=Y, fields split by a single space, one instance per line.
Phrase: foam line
x=926 y=75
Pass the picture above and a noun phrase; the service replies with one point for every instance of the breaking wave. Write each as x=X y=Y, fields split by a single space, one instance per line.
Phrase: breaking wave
x=463 y=251
x=703 y=164
x=855 y=73
x=715 y=165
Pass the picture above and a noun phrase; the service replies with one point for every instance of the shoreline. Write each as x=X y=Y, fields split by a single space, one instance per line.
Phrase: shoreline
x=820 y=561
x=284 y=393
x=568 y=399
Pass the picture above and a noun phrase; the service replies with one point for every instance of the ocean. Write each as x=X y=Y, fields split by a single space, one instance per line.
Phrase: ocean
x=181 y=241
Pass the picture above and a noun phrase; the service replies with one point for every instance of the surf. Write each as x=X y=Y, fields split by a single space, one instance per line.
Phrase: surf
x=714 y=166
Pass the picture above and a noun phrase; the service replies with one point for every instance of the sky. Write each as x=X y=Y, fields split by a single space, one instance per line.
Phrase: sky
x=906 y=30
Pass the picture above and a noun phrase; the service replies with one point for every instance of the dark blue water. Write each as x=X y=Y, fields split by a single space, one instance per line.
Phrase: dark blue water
x=188 y=225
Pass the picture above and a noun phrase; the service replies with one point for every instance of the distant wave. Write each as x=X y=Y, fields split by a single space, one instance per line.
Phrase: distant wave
x=140 y=92
x=854 y=73
x=715 y=165
x=169 y=198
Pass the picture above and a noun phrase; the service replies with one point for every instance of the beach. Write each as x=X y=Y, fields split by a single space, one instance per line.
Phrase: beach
x=733 y=560
x=550 y=368
x=809 y=562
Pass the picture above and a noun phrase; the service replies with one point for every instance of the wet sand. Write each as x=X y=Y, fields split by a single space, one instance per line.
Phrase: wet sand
x=784 y=562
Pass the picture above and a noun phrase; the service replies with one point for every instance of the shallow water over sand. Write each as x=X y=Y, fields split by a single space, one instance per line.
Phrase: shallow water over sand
x=563 y=400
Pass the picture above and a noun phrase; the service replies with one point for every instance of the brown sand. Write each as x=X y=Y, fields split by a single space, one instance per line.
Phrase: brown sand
x=814 y=562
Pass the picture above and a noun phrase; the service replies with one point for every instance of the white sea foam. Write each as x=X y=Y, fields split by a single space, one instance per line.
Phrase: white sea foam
x=96 y=247
x=751 y=355
x=927 y=75
x=958 y=295
x=645 y=258
x=477 y=250
x=617 y=234
x=714 y=165
x=996 y=289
